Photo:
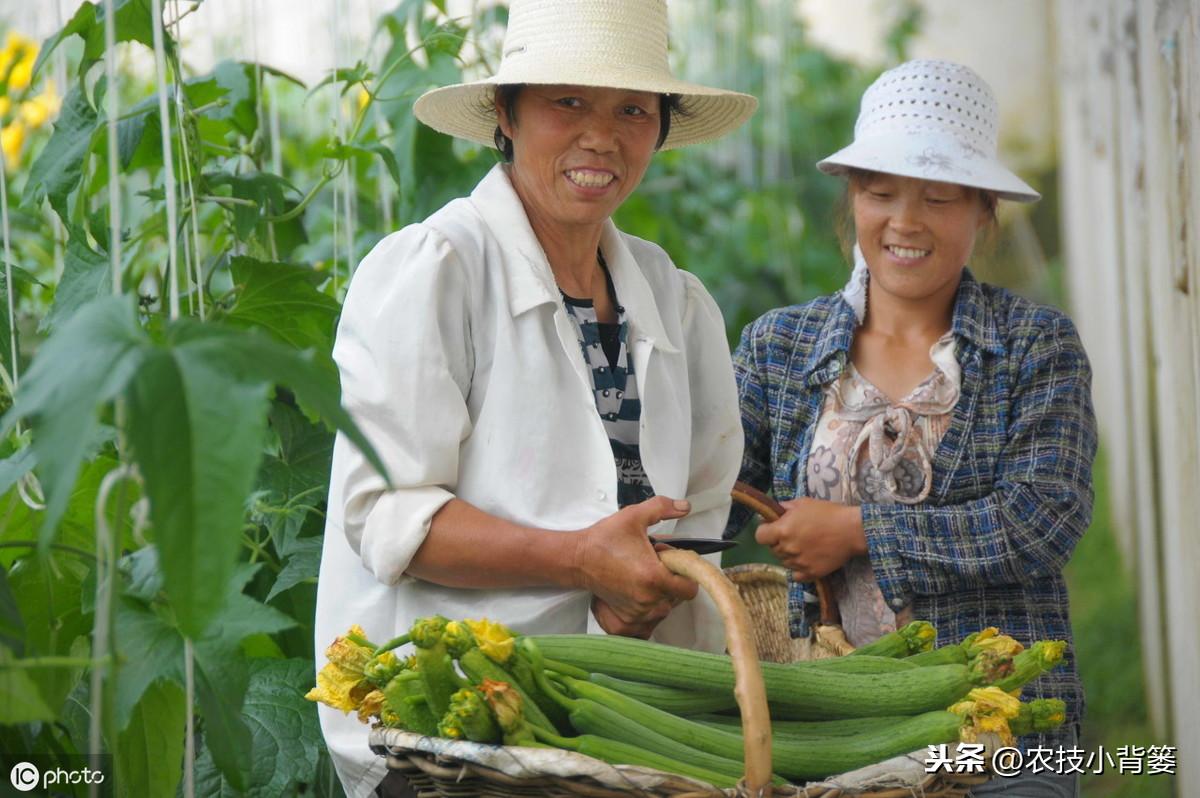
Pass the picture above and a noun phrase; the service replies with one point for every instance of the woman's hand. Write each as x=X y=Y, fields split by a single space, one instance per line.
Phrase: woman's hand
x=632 y=589
x=814 y=537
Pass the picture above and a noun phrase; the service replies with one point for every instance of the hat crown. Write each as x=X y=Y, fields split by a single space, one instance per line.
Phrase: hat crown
x=928 y=96
x=595 y=33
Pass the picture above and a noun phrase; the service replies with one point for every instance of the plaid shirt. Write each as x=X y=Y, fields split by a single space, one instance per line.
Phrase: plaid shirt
x=1012 y=486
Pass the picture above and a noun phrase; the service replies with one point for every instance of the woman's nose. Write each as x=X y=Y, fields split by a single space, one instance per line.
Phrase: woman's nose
x=906 y=216
x=599 y=135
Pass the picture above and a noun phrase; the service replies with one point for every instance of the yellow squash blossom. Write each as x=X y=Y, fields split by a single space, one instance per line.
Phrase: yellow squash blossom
x=990 y=710
x=19 y=54
x=5 y=106
x=36 y=111
x=12 y=138
x=372 y=705
x=341 y=684
x=495 y=639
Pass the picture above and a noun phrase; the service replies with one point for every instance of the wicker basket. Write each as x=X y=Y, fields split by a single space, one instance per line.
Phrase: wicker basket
x=442 y=768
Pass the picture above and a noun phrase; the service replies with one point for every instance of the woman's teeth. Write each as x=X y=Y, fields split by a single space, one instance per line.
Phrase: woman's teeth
x=589 y=179
x=905 y=252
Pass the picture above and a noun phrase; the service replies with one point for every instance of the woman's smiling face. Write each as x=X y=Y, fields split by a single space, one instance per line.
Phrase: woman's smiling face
x=916 y=235
x=579 y=151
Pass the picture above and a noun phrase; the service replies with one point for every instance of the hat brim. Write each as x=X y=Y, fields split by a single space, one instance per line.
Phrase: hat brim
x=928 y=157
x=466 y=111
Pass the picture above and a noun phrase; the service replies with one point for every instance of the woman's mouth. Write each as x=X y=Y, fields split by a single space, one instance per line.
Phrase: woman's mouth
x=907 y=253
x=590 y=178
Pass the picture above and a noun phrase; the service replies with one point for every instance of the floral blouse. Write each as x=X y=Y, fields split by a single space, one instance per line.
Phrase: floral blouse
x=868 y=448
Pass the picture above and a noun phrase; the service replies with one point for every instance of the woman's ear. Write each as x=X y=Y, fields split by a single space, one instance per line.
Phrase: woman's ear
x=502 y=118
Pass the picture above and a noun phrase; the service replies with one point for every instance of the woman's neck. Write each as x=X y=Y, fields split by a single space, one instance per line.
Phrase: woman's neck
x=904 y=321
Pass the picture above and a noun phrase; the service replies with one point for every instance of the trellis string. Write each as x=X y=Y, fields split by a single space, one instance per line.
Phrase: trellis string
x=160 y=72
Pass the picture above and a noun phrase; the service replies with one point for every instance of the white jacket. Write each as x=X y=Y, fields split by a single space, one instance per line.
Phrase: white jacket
x=460 y=365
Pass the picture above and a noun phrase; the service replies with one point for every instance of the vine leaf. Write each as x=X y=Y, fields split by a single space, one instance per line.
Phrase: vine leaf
x=196 y=432
x=86 y=363
x=23 y=703
x=133 y=23
x=59 y=167
x=283 y=300
x=284 y=731
x=150 y=750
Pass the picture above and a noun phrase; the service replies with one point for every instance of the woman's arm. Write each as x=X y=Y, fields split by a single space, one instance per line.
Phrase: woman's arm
x=1041 y=503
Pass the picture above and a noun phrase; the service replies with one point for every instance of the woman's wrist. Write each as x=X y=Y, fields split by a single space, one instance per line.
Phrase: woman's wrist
x=856 y=530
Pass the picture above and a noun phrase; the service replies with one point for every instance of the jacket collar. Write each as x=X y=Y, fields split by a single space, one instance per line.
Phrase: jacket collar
x=529 y=280
x=972 y=321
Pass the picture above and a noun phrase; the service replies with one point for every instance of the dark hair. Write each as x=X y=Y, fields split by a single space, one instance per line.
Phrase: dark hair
x=506 y=97
x=843 y=214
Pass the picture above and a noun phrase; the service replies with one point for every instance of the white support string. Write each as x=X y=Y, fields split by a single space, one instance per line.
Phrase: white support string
x=8 y=274
x=191 y=253
x=189 y=749
x=111 y=110
x=160 y=69
x=60 y=84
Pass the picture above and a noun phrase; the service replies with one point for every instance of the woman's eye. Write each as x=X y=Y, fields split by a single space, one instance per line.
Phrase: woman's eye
x=635 y=110
x=569 y=102
x=939 y=200
x=880 y=195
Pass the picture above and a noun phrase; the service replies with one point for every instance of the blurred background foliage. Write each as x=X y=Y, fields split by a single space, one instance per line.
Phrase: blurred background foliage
x=271 y=213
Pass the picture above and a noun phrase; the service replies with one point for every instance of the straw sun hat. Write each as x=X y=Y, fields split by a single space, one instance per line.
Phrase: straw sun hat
x=620 y=44
x=934 y=120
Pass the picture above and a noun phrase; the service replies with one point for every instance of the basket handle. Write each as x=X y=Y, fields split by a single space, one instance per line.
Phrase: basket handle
x=771 y=510
x=748 y=687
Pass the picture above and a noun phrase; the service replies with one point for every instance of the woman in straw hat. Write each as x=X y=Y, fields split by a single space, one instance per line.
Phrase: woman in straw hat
x=933 y=434
x=541 y=387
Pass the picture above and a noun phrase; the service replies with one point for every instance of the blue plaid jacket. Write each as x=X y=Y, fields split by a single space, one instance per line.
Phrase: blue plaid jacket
x=1012 y=477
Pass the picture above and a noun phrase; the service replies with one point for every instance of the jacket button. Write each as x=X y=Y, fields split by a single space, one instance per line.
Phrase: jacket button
x=897 y=603
x=601 y=495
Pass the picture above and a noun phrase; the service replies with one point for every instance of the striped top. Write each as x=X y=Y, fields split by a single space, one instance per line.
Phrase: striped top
x=615 y=390
x=1011 y=485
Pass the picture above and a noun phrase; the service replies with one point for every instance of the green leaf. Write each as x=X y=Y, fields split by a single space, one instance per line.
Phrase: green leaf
x=241 y=617
x=12 y=628
x=150 y=750
x=284 y=729
x=15 y=467
x=143 y=574
x=294 y=481
x=221 y=684
x=151 y=649
x=303 y=563
x=196 y=429
x=237 y=79
x=389 y=157
x=85 y=363
x=87 y=275
x=262 y=358
x=59 y=167
x=132 y=22
x=283 y=300
x=22 y=701
x=21 y=278
x=47 y=594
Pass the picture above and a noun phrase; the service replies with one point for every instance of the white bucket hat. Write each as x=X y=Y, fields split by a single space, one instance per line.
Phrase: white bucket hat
x=620 y=44
x=934 y=120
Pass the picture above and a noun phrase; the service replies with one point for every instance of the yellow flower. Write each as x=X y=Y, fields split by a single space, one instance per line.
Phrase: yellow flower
x=19 y=53
x=340 y=688
x=363 y=98
x=348 y=654
x=372 y=704
x=12 y=138
x=989 y=710
x=36 y=110
x=5 y=106
x=341 y=683
x=495 y=639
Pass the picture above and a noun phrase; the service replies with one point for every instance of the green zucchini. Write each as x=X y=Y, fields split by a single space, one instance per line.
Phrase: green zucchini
x=912 y=638
x=675 y=700
x=793 y=692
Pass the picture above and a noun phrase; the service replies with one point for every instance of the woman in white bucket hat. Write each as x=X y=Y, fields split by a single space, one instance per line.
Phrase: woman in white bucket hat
x=932 y=437
x=542 y=387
